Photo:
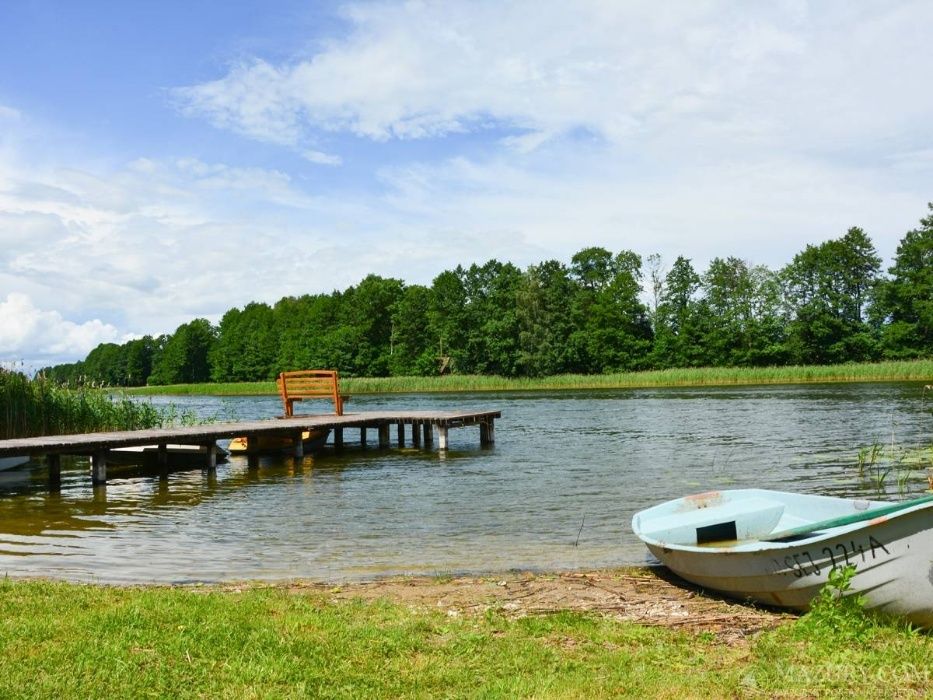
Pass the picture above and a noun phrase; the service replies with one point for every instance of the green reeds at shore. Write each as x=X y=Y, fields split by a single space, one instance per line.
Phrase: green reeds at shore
x=31 y=407
x=907 y=370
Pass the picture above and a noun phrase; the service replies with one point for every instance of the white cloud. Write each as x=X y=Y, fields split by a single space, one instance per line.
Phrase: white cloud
x=700 y=74
x=322 y=158
x=9 y=114
x=35 y=335
x=697 y=128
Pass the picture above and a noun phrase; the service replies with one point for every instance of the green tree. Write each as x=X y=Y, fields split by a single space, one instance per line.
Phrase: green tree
x=679 y=327
x=105 y=365
x=365 y=320
x=905 y=301
x=247 y=345
x=448 y=319
x=182 y=357
x=412 y=350
x=302 y=326
x=138 y=360
x=544 y=296
x=826 y=289
x=489 y=318
x=612 y=329
x=745 y=327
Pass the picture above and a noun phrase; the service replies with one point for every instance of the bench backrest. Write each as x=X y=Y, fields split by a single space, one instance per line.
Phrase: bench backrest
x=309 y=384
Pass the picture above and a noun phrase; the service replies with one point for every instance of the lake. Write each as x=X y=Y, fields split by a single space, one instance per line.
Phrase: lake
x=556 y=491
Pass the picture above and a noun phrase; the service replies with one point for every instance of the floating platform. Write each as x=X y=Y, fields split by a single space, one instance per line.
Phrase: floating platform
x=419 y=427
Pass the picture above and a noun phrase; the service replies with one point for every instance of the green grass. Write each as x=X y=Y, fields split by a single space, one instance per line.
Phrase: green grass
x=30 y=407
x=61 y=640
x=907 y=370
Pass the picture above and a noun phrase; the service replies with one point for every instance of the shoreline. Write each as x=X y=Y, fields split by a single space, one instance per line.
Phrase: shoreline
x=709 y=377
x=645 y=595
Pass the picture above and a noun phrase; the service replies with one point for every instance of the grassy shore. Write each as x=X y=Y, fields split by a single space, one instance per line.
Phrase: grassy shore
x=62 y=640
x=907 y=370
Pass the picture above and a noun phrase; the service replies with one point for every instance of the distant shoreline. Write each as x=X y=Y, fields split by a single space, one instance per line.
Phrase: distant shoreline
x=892 y=371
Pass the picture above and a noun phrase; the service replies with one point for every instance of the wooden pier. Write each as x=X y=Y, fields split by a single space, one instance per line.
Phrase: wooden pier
x=423 y=426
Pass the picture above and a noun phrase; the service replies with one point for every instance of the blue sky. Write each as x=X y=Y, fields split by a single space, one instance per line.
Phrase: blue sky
x=166 y=160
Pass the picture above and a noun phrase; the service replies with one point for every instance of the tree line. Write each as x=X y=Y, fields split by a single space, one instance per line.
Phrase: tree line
x=604 y=312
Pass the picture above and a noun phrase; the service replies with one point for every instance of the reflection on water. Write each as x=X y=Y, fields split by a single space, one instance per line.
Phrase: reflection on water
x=562 y=460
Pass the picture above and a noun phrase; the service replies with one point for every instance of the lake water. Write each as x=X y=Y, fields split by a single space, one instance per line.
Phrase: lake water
x=556 y=491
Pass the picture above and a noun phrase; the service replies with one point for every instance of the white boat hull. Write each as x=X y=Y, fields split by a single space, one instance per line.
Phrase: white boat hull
x=177 y=455
x=892 y=555
x=12 y=462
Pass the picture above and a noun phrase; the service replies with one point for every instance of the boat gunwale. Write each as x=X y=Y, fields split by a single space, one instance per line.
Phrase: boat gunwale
x=753 y=545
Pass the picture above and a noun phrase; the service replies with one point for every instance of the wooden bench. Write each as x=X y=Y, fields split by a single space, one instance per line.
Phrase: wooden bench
x=310 y=384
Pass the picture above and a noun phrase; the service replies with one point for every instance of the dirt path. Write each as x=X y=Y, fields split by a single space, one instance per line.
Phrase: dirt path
x=646 y=596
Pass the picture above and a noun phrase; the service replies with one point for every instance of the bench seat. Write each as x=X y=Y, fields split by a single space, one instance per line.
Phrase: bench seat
x=302 y=385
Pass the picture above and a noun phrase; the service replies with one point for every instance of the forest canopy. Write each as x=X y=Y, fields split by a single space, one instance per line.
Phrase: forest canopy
x=602 y=312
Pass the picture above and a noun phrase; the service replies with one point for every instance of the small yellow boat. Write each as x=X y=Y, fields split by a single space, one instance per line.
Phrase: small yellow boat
x=312 y=440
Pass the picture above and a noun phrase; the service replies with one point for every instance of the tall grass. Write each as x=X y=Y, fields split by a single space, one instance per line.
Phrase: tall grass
x=907 y=370
x=31 y=407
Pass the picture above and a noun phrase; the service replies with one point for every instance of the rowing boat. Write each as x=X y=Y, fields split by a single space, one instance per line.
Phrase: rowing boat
x=176 y=455
x=12 y=462
x=312 y=441
x=779 y=548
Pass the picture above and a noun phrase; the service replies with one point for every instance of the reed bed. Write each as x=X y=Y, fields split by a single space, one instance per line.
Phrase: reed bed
x=32 y=407
x=906 y=370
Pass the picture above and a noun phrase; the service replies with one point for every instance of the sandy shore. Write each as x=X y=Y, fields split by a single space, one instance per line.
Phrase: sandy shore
x=644 y=596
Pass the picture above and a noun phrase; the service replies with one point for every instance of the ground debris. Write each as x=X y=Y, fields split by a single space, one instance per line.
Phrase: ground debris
x=645 y=596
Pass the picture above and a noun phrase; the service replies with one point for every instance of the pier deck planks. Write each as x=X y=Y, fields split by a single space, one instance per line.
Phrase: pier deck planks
x=90 y=443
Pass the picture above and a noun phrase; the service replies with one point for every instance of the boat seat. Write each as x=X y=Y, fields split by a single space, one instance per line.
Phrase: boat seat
x=736 y=520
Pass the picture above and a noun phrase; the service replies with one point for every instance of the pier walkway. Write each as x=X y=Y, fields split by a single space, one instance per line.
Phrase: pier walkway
x=423 y=426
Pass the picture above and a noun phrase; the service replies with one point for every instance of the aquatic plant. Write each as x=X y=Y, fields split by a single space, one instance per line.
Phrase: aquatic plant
x=39 y=406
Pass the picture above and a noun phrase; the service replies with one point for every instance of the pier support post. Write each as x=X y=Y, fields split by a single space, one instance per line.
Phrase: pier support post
x=252 y=451
x=384 y=435
x=162 y=460
x=487 y=433
x=401 y=435
x=442 y=437
x=362 y=436
x=299 y=445
x=99 y=468
x=338 y=437
x=210 y=457
x=55 y=469
x=428 y=434
x=415 y=435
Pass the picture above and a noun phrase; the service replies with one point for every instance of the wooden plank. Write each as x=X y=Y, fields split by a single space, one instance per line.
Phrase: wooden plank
x=88 y=443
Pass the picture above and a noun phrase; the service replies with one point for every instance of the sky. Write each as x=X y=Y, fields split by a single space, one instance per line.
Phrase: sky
x=164 y=160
